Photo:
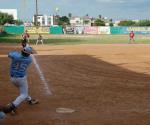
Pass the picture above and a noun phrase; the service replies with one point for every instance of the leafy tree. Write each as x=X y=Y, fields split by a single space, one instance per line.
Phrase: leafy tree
x=87 y=14
x=99 y=22
x=111 y=20
x=6 y=18
x=111 y=24
x=69 y=15
x=133 y=23
x=143 y=23
x=18 y=22
x=100 y=16
x=127 y=23
x=63 y=21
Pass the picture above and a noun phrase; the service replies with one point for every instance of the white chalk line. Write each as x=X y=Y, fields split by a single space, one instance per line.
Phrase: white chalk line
x=44 y=82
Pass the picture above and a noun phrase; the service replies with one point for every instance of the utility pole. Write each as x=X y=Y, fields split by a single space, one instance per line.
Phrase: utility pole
x=36 y=21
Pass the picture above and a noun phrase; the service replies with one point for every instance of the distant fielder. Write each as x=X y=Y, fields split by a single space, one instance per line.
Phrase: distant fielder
x=131 y=35
x=39 y=39
x=18 y=76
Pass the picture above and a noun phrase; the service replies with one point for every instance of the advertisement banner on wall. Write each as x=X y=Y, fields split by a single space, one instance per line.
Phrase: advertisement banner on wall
x=91 y=30
x=103 y=30
x=127 y=30
x=44 y=30
x=79 y=30
x=69 y=30
x=139 y=30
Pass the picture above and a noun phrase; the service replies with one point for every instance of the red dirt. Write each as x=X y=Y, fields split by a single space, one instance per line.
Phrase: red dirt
x=105 y=84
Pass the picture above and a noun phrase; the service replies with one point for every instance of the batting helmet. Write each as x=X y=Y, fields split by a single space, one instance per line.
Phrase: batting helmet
x=28 y=50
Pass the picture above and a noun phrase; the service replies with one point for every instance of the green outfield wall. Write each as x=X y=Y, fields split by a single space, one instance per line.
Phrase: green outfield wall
x=118 y=30
x=14 y=29
x=75 y=30
x=56 y=30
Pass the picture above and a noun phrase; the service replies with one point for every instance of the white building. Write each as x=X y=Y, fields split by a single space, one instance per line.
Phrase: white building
x=12 y=12
x=76 y=21
x=44 y=20
x=83 y=21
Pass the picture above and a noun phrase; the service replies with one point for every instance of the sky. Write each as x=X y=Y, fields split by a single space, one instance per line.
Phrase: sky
x=115 y=9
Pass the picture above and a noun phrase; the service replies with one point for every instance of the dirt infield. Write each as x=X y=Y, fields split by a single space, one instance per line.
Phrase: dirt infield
x=105 y=84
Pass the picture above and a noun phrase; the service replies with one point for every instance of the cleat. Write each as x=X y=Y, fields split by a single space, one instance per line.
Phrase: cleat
x=9 y=108
x=13 y=112
x=33 y=101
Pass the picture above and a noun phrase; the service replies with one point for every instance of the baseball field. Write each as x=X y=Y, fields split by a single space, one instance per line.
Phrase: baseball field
x=105 y=80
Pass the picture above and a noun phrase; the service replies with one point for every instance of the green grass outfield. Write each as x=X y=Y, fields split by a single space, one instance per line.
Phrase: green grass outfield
x=78 y=39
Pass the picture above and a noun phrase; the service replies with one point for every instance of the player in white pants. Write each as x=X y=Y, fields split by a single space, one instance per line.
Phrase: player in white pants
x=40 y=39
x=22 y=84
x=19 y=64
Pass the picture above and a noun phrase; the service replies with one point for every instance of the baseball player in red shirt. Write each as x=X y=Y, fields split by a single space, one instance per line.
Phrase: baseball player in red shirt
x=26 y=36
x=131 y=35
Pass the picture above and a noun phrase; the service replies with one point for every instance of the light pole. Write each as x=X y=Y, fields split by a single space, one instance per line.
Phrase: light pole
x=36 y=21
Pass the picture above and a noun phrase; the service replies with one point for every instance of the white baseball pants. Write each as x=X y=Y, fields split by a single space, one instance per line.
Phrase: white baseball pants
x=22 y=85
